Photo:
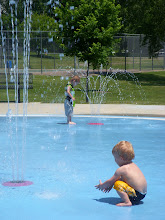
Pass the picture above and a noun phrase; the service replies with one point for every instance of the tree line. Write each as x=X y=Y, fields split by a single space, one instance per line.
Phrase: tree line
x=85 y=28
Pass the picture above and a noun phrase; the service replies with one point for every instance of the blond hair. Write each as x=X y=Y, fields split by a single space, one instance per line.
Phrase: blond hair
x=76 y=78
x=125 y=150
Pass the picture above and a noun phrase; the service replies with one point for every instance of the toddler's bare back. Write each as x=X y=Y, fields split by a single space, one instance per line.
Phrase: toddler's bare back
x=132 y=175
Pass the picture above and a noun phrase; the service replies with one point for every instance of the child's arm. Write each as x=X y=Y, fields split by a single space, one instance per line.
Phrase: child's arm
x=108 y=184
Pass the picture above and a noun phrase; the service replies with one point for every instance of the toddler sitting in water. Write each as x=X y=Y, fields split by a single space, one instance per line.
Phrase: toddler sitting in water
x=128 y=179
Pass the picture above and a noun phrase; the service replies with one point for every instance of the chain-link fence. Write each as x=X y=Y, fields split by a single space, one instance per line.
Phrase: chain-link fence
x=47 y=56
x=133 y=56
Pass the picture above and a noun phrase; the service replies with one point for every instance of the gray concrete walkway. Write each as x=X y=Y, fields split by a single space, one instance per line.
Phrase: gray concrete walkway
x=84 y=109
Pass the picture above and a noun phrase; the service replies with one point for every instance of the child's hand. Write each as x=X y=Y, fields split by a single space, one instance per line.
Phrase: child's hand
x=99 y=186
x=107 y=189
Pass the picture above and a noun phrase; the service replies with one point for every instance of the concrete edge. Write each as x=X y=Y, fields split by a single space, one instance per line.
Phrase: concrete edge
x=84 y=109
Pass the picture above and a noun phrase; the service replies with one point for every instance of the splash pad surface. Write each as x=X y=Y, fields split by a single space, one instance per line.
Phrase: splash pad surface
x=66 y=162
x=95 y=123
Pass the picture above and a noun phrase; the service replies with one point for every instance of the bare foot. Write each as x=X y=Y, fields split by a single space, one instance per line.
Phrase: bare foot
x=72 y=123
x=124 y=204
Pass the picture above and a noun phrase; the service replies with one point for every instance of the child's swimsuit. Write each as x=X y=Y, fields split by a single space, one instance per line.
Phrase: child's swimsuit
x=136 y=199
x=68 y=108
x=72 y=91
x=134 y=196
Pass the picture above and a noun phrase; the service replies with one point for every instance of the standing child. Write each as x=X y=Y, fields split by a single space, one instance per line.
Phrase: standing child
x=128 y=179
x=70 y=98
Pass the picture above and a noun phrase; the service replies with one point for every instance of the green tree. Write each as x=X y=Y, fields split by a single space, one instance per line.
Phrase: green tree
x=42 y=22
x=41 y=19
x=38 y=7
x=86 y=29
x=144 y=17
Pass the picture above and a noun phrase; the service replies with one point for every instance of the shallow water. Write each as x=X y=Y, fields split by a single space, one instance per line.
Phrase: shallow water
x=66 y=162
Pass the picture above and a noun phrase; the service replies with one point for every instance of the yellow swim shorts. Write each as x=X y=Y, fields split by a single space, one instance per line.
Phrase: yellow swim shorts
x=124 y=187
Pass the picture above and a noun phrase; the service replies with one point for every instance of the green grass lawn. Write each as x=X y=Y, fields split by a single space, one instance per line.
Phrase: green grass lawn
x=60 y=61
x=48 y=61
x=140 y=88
